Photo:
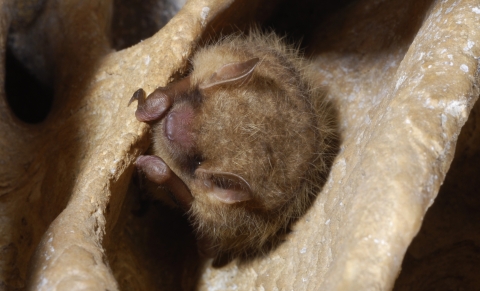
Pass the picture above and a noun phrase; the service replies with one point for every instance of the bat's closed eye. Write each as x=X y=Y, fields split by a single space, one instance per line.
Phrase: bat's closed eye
x=193 y=162
x=226 y=184
x=227 y=187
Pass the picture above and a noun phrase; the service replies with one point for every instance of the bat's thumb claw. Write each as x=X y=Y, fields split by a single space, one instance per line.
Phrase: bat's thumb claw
x=138 y=95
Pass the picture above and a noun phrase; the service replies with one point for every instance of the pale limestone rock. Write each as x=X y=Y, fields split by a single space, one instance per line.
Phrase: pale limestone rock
x=404 y=76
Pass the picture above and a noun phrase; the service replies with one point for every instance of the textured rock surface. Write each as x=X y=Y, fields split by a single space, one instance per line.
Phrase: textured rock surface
x=404 y=75
x=64 y=180
x=445 y=253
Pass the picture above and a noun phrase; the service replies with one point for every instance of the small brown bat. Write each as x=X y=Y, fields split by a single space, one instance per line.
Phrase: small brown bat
x=241 y=142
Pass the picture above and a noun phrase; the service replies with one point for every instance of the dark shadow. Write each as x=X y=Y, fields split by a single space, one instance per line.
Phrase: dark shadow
x=161 y=246
x=298 y=20
x=295 y=20
x=136 y=20
x=367 y=28
x=29 y=99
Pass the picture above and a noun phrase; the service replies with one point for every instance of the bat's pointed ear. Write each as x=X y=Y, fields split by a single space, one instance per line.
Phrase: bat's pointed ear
x=227 y=187
x=230 y=73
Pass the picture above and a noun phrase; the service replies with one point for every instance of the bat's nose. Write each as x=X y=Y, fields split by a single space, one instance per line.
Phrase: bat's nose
x=178 y=127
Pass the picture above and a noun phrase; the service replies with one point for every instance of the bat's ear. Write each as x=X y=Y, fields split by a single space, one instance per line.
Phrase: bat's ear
x=227 y=187
x=229 y=73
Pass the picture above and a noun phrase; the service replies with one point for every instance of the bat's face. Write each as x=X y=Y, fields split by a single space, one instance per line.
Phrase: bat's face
x=236 y=138
x=237 y=142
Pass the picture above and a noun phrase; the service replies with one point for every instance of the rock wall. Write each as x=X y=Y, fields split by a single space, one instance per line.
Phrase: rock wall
x=404 y=77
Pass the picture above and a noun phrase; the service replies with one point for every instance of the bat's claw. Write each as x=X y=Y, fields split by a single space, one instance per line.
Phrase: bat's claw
x=139 y=95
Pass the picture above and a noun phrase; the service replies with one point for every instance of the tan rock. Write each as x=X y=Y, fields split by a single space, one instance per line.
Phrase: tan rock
x=404 y=76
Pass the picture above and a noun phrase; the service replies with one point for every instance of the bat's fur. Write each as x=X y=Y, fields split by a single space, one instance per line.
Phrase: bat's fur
x=273 y=130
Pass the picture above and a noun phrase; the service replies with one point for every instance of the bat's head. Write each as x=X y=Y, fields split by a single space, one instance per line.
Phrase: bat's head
x=235 y=134
x=242 y=134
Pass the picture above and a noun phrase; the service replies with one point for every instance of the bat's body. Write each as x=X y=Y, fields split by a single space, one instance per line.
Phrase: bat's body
x=245 y=140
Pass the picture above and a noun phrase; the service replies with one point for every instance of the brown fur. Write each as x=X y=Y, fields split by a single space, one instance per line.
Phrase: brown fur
x=272 y=129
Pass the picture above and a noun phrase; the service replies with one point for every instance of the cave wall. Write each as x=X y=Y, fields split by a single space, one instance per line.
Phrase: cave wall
x=403 y=76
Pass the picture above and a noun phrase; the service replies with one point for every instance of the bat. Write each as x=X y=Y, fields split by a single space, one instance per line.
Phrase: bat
x=242 y=143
